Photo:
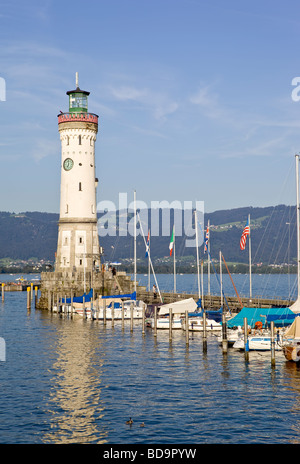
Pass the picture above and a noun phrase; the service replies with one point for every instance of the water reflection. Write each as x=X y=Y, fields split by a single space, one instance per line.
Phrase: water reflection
x=291 y=380
x=74 y=405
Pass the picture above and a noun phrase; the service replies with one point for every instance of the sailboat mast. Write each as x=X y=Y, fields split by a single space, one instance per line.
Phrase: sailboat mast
x=134 y=203
x=298 y=224
x=221 y=279
x=208 y=259
x=250 y=263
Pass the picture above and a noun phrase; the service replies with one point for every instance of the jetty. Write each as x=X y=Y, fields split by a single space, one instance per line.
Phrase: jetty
x=58 y=286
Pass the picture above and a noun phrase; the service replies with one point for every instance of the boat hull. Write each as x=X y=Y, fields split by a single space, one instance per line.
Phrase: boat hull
x=257 y=344
x=291 y=351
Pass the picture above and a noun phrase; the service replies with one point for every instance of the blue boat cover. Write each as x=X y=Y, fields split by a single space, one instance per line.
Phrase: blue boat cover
x=88 y=296
x=280 y=316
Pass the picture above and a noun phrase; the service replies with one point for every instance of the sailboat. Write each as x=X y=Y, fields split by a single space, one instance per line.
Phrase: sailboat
x=291 y=346
x=291 y=341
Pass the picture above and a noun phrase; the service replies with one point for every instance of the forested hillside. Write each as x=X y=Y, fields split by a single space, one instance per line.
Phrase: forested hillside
x=34 y=234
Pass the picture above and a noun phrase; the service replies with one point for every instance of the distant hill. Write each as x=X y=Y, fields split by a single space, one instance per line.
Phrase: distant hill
x=34 y=234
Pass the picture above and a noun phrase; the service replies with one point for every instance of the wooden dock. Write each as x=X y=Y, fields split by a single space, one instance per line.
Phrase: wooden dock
x=18 y=286
x=214 y=301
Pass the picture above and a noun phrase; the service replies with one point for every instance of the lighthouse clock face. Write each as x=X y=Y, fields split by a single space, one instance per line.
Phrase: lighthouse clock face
x=68 y=164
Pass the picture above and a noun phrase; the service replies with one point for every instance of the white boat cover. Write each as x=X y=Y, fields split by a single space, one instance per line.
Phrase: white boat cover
x=295 y=306
x=294 y=329
x=179 y=307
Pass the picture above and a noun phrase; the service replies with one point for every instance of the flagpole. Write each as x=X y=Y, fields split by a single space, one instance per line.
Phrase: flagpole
x=197 y=254
x=208 y=258
x=250 y=263
x=149 y=264
x=221 y=279
x=202 y=291
x=174 y=260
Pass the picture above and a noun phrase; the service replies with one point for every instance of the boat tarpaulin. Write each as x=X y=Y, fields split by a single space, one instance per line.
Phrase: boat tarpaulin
x=260 y=314
x=88 y=296
x=126 y=295
x=178 y=307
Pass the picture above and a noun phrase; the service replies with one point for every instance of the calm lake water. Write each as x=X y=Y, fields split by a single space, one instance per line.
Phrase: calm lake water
x=68 y=380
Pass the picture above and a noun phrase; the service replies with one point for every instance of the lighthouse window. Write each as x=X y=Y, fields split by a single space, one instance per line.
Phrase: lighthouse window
x=79 y=139
x=80 y=189
x=67 y=139
x=80 y=262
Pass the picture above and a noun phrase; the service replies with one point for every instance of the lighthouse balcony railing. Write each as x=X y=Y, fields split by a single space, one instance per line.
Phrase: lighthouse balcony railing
x=80 y=116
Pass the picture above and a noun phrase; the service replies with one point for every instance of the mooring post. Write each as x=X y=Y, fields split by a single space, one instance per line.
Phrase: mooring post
x=272 y=344
x=83 y=306
x=131 y=316
x=143 y=318
x=113 y=314
x=97 y=307
x=170 y=324
x=187 y=340
x=71 y=309
x=246 y=341
x=28 y=298
x=123 y=315
x=2 y=291
x=224 y=334
x=35 y=296
x=204 y=332
x=49 y=300
x=31 y=291
x=155 y=321
x=104 y=311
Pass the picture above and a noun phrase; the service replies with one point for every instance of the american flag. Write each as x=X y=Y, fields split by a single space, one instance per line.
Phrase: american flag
x=206 y=240
x=147 y=245
x=245 y=233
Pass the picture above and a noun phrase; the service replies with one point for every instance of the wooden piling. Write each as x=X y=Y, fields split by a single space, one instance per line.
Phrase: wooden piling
x=131 y=317
x=187 y=339
x=2 y=291
x=35 y=296
x=143 y=319
x=28 y=298
x=123 y=315
x=272 y=344
x=155 y=321
x=97 y=308
x=246 y=342
x=104 y=311
x=170 y=324
x=113 y=314
x=49 y=300
x=204 y=333
x=224 y=334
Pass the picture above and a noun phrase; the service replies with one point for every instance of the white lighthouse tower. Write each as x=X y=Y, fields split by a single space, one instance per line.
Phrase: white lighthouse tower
x=78 y=242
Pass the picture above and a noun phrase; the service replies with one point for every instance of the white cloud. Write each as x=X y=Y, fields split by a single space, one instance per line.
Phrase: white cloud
x=159 y=104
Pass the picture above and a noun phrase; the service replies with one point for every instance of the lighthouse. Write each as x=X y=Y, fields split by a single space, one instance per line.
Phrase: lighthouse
x=78 y=242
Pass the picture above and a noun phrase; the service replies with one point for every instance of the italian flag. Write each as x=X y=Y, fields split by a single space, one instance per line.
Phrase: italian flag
x=171 y=246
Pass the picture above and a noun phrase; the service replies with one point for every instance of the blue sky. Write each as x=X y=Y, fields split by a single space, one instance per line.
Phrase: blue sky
x=194 y=99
